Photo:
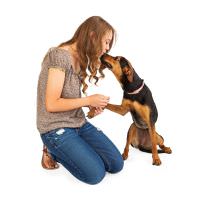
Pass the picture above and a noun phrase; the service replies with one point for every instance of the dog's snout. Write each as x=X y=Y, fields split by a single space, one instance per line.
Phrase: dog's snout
x=105 y=60
x=102 y=58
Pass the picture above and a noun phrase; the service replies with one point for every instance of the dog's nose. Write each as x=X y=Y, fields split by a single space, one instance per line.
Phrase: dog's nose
x=103 y=56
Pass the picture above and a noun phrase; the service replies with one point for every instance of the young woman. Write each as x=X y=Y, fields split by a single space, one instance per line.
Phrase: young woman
x=84 y=150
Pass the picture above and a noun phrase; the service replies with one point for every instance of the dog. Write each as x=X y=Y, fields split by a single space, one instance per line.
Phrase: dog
x=138 y=100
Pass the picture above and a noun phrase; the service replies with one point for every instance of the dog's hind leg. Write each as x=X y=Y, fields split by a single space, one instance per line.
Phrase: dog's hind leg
x=160 y=142
x=130 y=137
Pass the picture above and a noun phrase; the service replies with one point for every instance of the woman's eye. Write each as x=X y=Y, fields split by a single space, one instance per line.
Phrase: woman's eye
x=107 y=42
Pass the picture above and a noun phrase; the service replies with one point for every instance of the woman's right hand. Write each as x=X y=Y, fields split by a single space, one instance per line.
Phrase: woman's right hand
x=98 y=100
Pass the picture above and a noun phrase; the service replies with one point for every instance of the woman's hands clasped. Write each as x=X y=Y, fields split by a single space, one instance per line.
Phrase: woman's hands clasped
x=97 y=103
x=98 y=100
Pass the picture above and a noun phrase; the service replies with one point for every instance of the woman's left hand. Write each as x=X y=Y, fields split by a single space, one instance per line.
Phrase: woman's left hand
x=98 y=110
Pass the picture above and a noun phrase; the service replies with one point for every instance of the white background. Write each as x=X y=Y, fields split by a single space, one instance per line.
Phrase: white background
x=162 y=41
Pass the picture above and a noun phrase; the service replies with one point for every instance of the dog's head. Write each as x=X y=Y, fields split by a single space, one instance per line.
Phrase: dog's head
x=119 y=65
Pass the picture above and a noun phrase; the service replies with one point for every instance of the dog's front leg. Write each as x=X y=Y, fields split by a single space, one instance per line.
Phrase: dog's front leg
x=144 y=112
x=152 y=132
x=119 y=109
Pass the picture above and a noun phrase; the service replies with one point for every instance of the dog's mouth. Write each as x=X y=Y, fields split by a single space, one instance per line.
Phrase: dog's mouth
x=107 y=65
x=104 y=63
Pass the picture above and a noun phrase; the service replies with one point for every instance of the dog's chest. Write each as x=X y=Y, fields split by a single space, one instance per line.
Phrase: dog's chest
x=144 y=97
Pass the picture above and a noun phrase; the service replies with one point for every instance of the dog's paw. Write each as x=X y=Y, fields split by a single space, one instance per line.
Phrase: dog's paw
x=124 y=156
x=90 y=114
x=157 y=161
x=167 y=150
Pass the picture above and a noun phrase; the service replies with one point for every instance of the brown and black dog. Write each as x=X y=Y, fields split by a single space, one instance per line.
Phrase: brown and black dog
x=138 y=100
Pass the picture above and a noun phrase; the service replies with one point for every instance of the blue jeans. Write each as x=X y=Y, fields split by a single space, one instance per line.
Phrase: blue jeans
x=85 y=152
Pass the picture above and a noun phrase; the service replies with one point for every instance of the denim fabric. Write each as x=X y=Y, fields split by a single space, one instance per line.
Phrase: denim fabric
x=85 y=152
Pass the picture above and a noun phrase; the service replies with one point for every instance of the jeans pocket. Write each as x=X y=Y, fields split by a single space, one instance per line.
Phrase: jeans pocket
x=90 y=127
x=57 y=137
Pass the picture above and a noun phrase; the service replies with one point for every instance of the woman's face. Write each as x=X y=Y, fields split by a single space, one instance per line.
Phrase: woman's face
x=106 y=42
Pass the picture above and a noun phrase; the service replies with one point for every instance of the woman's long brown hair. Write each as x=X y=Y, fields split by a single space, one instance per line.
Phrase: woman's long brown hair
x=88 y=38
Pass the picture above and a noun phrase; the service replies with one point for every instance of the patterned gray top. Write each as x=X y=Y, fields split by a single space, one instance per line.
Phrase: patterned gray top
x=47 y=121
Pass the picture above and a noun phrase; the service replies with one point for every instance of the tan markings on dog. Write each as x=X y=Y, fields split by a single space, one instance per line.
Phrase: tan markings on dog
x=142 y=110
x=118 y=73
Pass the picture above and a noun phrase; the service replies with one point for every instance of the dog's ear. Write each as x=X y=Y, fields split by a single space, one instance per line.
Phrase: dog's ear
x=127 y=68
x=128 y=71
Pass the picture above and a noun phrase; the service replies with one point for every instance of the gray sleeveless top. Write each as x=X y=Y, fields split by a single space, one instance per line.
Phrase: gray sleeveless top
x=47 y=121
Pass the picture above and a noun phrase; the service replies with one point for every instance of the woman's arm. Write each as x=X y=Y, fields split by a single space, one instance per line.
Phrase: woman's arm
x=54 y=102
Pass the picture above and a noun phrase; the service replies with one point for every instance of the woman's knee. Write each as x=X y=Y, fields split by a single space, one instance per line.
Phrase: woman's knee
x=117 y=165
x=93 y=170
x=95 y=176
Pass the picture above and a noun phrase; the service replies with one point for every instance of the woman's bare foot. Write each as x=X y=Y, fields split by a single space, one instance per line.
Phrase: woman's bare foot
x=47 y=161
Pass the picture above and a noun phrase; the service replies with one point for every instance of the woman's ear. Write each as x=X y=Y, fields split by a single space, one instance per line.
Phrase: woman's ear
x=93 y=35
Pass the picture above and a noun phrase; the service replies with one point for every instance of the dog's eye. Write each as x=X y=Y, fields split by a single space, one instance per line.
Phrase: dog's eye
x=117 y=58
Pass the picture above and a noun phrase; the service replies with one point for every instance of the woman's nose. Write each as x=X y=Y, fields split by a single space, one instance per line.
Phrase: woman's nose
x=107 y=47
